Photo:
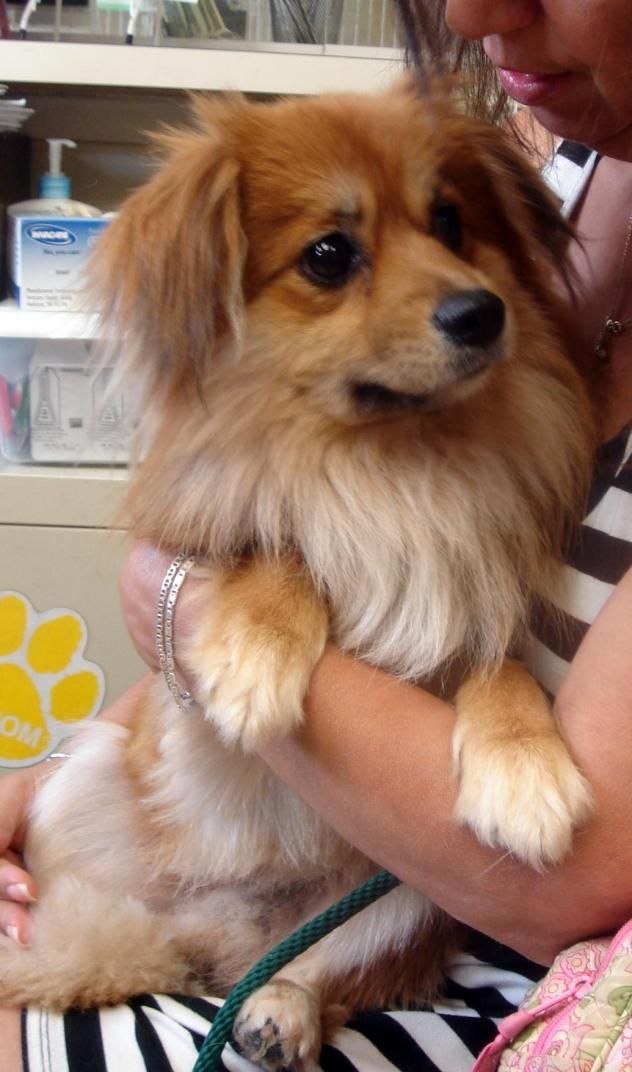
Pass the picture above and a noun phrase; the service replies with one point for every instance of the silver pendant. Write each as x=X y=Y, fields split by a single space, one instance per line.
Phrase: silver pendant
x=611 y=327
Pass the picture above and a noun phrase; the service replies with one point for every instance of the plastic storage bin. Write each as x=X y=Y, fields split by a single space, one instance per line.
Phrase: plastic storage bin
x=58 y=406
x=15 y=422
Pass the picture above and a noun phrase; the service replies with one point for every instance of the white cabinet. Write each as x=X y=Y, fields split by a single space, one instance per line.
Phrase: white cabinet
x=75 y=567
x=60 y=549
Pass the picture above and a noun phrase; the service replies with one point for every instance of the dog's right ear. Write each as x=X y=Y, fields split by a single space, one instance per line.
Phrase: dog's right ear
x=168 y=271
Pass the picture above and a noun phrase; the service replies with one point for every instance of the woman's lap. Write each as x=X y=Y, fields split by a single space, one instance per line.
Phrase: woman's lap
x=151 y=1038
x=158 y=1033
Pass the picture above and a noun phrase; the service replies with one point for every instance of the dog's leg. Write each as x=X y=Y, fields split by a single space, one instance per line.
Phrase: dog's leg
x=92 y=947
x=519 y=788
x=264 y=629
x=392 y=951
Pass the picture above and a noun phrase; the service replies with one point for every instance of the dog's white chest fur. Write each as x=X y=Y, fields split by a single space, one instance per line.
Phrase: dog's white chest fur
x=420 y=563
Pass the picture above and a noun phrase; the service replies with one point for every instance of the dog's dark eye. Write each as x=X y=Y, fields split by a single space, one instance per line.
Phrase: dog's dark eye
x=331 y=260
x=446 y=226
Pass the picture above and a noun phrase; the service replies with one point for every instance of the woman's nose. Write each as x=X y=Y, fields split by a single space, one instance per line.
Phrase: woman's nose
x=475 y=19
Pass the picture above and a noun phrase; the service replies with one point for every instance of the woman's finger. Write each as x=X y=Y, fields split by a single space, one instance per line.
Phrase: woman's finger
x=17 y=892
x=15 y=883
x=17 y=888
x=16 y=791
x=15 y=922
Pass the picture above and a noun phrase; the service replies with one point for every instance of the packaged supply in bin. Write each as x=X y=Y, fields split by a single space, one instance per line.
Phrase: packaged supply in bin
x=78 y=413
x=15 y=356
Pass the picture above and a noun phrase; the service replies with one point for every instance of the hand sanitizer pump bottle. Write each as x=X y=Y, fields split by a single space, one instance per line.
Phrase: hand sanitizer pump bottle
x=50 y=238
x=54 y=191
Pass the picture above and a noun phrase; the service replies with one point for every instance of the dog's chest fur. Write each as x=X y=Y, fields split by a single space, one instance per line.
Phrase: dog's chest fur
x=419 y=560
x=419 y=566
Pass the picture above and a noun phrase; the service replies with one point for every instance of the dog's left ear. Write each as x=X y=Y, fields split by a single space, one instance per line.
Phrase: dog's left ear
x=168 y=270
x=515 y=202
x=549 y=228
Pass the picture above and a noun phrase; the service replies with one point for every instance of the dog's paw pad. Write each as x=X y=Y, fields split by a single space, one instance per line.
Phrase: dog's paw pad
x=279 y=1027
x=45 y=683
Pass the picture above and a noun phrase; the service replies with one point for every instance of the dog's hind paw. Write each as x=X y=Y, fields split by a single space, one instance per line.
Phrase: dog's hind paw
x=279 y=1027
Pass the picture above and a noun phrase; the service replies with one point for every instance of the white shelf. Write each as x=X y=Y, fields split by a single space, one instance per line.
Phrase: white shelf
x=73 y=496
x=166 y=67
x=23 y=324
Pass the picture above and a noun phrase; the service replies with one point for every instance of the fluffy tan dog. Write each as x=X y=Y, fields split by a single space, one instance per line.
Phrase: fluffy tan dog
x=360 y=414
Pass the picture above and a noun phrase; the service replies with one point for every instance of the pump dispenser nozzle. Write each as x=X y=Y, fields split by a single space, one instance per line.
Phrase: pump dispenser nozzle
x=54 y=183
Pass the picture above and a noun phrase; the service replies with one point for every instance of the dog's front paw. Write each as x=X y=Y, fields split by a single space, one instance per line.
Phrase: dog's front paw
x=279 y=1027
x=251 y=688
x=525 y=796
x=255 y=651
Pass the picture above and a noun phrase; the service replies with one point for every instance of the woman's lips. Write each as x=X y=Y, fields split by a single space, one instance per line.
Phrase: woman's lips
x=530 y=89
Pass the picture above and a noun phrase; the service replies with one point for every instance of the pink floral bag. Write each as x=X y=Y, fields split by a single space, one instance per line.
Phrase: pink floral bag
x=577 y=1019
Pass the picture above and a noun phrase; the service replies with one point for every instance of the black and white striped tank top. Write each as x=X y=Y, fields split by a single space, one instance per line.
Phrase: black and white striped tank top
x=602 y=550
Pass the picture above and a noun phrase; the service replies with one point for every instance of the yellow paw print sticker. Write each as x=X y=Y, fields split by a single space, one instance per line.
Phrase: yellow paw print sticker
x=46 y=685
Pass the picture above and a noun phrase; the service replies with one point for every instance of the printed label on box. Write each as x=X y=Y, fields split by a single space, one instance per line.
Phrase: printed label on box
x=48 y=258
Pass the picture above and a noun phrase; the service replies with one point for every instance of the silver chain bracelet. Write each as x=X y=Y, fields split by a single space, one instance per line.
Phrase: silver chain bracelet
x=171 y=585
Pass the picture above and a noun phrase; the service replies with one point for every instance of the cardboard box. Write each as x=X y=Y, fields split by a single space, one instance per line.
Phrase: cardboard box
x=48 y=258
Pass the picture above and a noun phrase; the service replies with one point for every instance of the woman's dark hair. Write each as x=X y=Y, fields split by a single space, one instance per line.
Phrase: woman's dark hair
x=434 y=48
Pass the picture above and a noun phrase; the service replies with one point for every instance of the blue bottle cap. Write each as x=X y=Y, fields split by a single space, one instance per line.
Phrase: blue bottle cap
x=54 y=186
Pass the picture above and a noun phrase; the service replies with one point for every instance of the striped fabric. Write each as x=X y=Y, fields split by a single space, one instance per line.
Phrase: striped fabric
x=568 y=172
x=157 y=1033
x=597 y=561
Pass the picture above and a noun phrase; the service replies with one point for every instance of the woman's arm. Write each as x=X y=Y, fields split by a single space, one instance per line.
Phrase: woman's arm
x=374 y=760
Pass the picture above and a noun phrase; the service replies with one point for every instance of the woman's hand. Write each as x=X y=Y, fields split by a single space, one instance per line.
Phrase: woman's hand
x=17 y=888
x=139 y=585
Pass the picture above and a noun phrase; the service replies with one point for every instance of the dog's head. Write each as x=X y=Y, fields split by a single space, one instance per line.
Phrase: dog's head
x=342 y=264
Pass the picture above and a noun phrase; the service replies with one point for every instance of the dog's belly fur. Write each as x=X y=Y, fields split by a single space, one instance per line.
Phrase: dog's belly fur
x=221 y=863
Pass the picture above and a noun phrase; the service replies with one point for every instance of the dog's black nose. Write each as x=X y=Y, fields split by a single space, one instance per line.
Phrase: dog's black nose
x=470 y=317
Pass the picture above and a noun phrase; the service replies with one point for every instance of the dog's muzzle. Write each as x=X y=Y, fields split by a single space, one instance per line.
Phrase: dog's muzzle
x=471 y=323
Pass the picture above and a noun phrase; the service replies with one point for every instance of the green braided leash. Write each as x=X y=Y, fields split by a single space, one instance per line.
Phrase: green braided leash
x=297 y=942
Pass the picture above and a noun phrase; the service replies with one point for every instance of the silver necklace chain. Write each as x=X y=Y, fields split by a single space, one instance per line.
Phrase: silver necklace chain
x=614 y=326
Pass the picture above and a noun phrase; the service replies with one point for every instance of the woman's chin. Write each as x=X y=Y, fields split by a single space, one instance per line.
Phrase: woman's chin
x=595 y=129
